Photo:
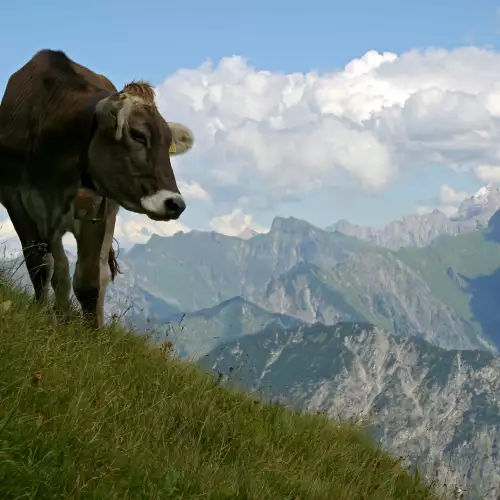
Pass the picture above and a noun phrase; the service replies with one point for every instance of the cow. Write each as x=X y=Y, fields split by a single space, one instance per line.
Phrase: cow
x=73 y=150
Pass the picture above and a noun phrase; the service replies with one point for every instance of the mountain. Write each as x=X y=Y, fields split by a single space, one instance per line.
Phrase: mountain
x=419 y=230
x=480 y=206
x=439 y=407
x=195 y=334
x=378 y=287
x=127 y=298
x=446 y=292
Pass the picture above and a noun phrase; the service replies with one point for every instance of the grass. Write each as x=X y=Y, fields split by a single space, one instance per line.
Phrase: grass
x=101 y=415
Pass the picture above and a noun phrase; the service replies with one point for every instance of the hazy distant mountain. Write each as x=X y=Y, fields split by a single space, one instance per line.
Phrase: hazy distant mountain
x=195 y=334
x=201 y=269
x=440 y=407
x=126 y=297
x=420 y=230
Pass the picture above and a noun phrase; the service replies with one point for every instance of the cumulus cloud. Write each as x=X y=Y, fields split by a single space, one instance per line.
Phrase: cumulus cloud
x=488 y=173
x=271 y=135
x=193 y=191
x=236 y=223
x=447 y=195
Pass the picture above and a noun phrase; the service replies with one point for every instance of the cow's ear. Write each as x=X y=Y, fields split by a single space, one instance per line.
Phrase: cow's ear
x=113 y=112
x=182 y=139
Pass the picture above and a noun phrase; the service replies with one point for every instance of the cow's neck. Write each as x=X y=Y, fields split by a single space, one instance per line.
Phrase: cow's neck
x=87 y=195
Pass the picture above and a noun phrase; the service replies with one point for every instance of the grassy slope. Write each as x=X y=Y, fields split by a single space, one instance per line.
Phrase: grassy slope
x=101 y=415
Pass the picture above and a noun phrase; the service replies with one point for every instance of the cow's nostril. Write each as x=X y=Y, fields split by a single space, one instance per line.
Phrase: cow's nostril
x=175 y=205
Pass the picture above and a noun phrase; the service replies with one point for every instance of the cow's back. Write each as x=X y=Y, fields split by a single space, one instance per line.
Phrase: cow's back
x=41 y=116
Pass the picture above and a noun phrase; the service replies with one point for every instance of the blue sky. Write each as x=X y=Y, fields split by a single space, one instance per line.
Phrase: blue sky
x=153 y=39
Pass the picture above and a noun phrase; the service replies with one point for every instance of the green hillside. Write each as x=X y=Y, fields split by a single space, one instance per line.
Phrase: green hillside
x=101 y=415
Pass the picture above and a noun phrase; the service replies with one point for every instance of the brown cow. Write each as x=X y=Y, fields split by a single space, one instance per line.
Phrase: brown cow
x=70 y=141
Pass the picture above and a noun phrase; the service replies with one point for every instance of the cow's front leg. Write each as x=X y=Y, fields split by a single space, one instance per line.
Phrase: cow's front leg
x=107 y=258
x=93 y=273
x=87 y=279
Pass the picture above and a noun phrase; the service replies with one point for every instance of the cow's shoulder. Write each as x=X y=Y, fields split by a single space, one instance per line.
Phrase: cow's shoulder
x=71 y=75
x=41 y=110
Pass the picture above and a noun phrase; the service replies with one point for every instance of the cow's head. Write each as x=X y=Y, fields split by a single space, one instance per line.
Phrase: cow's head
x=129 y=155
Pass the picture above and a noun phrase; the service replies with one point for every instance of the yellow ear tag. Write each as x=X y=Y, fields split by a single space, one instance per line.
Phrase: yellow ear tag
x=172 y=148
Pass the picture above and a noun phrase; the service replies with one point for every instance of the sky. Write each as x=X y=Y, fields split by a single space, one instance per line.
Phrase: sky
x=361 y=110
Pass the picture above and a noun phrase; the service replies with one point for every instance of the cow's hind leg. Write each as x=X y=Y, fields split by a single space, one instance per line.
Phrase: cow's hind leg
x=40 y=265
x=61 y=282
x=36 y=251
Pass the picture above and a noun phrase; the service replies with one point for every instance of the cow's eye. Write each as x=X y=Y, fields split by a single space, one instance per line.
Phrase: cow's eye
x=138 y=136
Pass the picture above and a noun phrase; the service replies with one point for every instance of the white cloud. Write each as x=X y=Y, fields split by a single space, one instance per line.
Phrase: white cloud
x=134 y=228
x=447 y=195
x=488 y=173
x=193 y=191
x=269 y=135
x=236 y=223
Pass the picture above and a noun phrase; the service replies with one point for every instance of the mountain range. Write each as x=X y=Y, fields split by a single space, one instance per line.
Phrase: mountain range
x=443 y=292
x=419 y=230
